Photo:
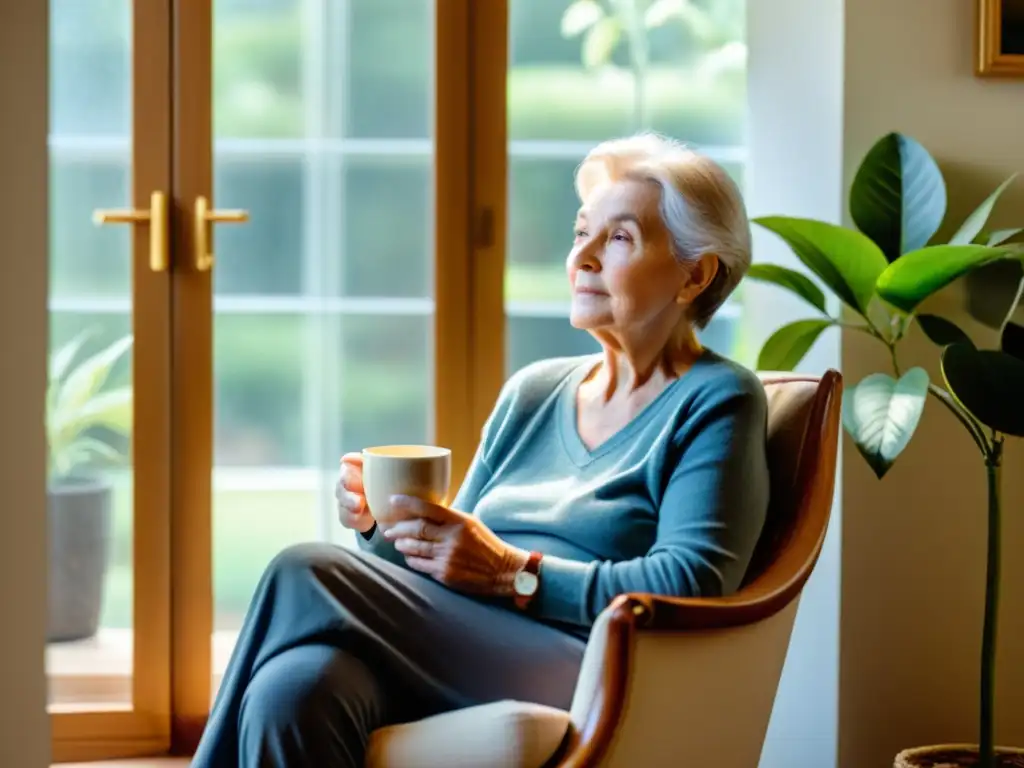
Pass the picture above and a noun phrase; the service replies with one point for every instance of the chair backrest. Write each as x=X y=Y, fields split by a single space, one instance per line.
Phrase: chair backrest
x=803 y=443
x=714 y=663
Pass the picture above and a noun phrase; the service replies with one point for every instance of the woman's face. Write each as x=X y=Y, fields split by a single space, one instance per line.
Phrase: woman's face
x=623 y=274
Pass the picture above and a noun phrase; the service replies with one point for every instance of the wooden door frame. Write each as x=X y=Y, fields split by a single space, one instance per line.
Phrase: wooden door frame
x=454 y=417
x=488 y=47
x=192 y=377
x=142 y=726
x=173 y=547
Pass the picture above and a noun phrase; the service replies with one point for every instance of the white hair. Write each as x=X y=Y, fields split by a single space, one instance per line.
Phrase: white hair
x=700 y=206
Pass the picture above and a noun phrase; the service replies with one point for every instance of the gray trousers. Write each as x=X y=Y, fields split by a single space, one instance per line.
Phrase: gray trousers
x=338 y=643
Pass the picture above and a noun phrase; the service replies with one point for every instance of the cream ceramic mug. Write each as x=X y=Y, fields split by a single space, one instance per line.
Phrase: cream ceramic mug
x=423 y=471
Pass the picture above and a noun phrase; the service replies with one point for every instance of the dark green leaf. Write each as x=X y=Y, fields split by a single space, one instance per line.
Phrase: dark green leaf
x=790 y=279
x=787 y=346
x=918 y=274
x=990 y=291
x=941 y=331
x=1011 y=335
x=845 y=260
x=987 y=383
x=1011 y=340
x=881 y=414
x=898 y=196
x=1000 y=236
x=973 y=224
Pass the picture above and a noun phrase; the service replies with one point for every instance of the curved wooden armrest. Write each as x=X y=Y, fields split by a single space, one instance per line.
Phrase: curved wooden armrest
x=656 y=613
x=584 y=747
x=645 y=612
x=755 y=603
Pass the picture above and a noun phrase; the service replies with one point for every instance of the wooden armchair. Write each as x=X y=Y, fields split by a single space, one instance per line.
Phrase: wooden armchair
x=671 y=681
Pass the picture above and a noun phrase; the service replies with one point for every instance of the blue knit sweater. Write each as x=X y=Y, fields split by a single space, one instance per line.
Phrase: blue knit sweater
x=671 y=504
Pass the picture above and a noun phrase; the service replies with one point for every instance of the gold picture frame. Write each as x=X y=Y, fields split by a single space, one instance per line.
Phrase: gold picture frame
x=1000 y=48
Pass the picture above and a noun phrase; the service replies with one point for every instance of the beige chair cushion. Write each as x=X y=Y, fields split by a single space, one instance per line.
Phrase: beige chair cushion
x=503 y=734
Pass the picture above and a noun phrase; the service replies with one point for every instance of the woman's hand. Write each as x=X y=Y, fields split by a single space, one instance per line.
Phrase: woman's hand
x=455 y=548
x=353 y=512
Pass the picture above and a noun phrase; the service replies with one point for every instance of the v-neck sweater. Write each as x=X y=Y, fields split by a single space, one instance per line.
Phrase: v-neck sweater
x=672 y=504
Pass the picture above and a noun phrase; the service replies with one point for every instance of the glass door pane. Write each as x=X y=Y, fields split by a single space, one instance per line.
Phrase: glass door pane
x=323 y=302
x=574 y=79
x=89 y=657
x=108 y=395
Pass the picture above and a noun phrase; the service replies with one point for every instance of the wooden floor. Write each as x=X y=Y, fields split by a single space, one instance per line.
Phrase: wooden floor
x=146 y=762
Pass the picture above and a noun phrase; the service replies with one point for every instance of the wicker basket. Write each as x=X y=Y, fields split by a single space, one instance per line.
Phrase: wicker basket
x=956 y=756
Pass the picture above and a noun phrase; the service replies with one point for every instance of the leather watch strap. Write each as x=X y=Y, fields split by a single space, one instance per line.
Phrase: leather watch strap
x=532 y=567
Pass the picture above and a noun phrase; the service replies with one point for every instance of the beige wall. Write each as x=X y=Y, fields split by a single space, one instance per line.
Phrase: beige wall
x=913 y=544
x=24 y=735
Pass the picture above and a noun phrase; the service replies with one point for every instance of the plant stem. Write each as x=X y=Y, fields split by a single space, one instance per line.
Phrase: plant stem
x=856 y=327
x=992 y=450
x=986 y=728
x=895 y=362
x=638 y=58
x=972 y=429
x=639 y=99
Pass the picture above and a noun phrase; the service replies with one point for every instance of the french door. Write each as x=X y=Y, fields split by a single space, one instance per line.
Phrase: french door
x=264 y=226
x=279 y=231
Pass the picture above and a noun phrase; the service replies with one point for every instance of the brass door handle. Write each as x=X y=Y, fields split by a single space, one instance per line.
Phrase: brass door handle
x=155 y=217
x=203 y=216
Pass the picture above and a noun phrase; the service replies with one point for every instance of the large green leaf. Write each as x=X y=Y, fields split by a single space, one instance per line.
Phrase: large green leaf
x=785 y=348
x=898 y=195
x=881 y=414
x=1011 y=335
x=791 y=280
x=942 y=331
x=974 y=223
x=989 y=384
x=917 y=275
x=600 y=40
x=845 y=260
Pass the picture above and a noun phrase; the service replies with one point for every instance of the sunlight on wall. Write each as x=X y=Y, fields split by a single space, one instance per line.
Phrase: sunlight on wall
x=795 y=92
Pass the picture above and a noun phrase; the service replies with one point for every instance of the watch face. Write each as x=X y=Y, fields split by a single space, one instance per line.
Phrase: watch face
x=525 y=583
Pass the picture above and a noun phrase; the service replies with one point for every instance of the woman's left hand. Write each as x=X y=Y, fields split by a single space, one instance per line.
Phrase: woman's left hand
x=455 y=548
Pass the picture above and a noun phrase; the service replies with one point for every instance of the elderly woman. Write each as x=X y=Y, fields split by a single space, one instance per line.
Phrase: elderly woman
x=638 y=469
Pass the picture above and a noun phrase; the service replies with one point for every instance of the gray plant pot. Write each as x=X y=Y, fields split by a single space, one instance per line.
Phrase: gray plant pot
x=79 y=513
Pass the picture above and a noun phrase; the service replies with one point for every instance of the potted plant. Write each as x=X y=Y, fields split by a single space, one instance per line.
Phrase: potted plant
x=882 y=270
x=85 y=423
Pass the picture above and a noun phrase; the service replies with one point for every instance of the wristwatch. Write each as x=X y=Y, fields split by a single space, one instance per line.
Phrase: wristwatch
x=527 y=581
